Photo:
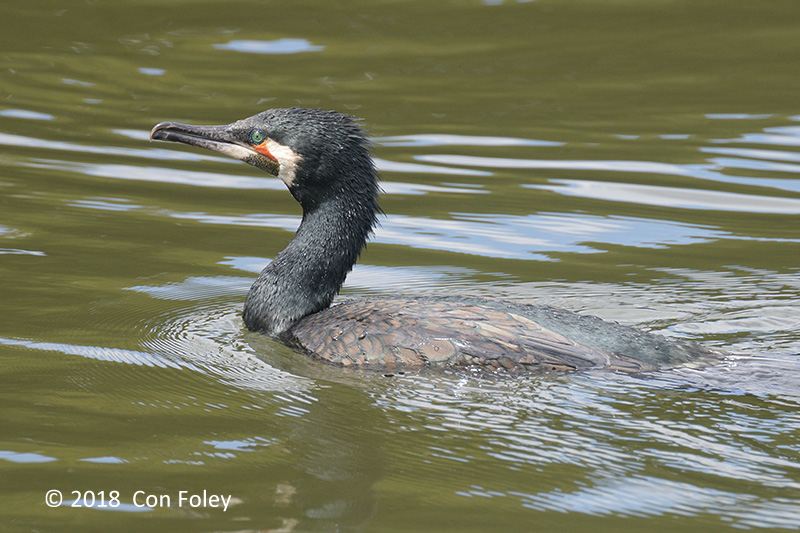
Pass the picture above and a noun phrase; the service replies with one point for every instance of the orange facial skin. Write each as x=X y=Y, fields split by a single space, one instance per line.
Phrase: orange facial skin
x=262 y=149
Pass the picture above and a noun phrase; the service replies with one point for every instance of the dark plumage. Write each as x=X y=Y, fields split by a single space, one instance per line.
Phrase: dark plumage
x=323 y=157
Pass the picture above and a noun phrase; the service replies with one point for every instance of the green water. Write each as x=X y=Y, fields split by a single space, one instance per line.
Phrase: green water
x=634 y=160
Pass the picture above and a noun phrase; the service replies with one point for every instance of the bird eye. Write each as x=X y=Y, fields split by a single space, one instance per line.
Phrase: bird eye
x=257 y=137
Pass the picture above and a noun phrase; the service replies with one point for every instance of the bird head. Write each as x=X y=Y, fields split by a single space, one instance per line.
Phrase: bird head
x=313 y=151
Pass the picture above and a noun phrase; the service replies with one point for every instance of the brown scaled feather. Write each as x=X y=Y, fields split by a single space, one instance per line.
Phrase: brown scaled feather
x=392 y=334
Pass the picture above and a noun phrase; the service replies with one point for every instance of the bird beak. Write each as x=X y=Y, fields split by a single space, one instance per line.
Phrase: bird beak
x=214 y=138
x=217 y=139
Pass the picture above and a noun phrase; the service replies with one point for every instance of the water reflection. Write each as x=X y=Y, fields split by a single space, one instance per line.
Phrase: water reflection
x=395 y=166
x=644 y=167
x=96 y=352
x=774 y=136
x=431 y=139
x=26 y=114
x=48 y=145
x=593 y=423
x=503 y=236
x=531 y=237
x=278 y=46
x=677 y=197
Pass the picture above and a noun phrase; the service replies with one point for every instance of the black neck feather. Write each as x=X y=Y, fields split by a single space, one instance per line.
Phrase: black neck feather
x=307 y=274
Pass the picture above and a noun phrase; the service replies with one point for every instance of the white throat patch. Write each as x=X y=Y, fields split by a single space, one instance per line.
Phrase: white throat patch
x=287 y=161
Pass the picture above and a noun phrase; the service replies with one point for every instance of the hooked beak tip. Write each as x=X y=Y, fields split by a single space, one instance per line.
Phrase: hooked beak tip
x=158 y=133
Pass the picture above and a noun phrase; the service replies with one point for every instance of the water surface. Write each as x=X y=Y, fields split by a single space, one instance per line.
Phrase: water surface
x=633 y=160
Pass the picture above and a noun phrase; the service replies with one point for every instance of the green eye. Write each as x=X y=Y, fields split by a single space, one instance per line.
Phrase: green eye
x=257 y=137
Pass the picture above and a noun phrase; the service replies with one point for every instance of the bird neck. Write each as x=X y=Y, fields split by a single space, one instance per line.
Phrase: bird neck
x=307 y=274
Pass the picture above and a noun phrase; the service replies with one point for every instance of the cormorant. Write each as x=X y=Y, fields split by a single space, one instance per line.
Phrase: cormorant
x=323 y=158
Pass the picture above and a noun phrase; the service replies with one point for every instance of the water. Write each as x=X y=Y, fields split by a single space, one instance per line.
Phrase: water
x=636 y=161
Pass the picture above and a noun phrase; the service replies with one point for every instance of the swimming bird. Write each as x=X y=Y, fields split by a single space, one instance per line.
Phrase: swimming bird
x=324 y=159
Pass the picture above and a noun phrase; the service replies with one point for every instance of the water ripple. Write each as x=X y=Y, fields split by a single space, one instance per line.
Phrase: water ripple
x=631 y=451
x=8 y=139
x=26 y=114
x=439 y=139
x=677 y=197
x=278 y=46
